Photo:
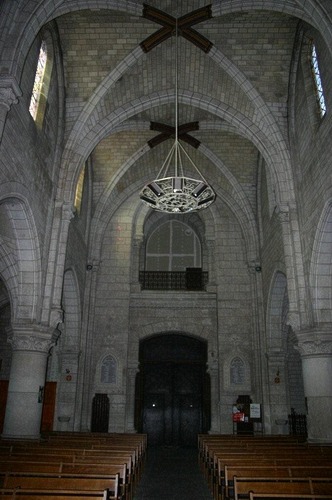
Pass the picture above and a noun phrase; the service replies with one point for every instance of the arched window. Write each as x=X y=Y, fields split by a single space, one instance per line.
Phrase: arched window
x=317 y=79
x=39 y=80
x=108 y=370
x=237 y=371
x=79 y=191
x=172 y=246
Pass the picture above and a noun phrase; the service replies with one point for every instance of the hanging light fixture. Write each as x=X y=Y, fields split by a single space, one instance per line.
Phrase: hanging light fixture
x=177 y=193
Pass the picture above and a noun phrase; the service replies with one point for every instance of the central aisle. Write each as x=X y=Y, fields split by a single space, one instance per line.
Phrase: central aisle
x=172 y=473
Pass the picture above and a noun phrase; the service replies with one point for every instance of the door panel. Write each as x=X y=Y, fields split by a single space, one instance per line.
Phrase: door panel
x=189 y=419
x=48 y=407
x=154 y=418
x=172 y=408
x=172 y=394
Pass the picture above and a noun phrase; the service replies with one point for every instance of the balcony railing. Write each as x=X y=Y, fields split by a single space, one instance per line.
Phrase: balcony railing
x=192 y=279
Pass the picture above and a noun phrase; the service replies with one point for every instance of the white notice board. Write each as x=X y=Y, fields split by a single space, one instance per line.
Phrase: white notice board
x=255 y=410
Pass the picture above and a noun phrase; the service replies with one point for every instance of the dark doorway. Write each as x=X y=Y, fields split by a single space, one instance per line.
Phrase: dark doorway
x=173 y=390
x=100 y=413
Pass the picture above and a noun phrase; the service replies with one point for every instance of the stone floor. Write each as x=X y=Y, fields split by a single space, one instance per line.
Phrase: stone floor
x=172 y=473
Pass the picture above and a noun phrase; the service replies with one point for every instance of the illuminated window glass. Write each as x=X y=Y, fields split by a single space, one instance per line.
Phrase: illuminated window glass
x=173 y=246
x=39 y=80
x=317 y=80
x=79 y=191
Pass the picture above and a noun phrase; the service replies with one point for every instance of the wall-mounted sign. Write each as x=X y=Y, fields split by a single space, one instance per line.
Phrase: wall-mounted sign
x=238 y=417
x=255 y=410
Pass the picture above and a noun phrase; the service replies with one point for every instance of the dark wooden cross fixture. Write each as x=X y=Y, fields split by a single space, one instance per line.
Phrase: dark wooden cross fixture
x=183 y=25
x=168 y=132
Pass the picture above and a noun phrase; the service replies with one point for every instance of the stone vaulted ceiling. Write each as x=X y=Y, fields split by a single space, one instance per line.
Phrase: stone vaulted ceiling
x=233 y=78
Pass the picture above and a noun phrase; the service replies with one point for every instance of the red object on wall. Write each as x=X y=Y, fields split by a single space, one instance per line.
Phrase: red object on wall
x=238 y=417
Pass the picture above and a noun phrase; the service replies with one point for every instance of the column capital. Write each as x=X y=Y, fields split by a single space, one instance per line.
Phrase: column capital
x=32 y=338
x=9 y=91
x=315 y=342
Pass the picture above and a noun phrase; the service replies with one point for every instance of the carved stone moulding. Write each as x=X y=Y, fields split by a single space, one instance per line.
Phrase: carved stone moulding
x=315 y=342
x=31 y=338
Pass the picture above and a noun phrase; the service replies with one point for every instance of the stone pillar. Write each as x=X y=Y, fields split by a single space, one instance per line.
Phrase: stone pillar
x=130 y=403
x=279 y=407
x=136 y=264
x=86 y=367
x=211 y=287
x=215 y=399
x=9 y=93
x=67 y=388
x=26 y=383
x=315 y=347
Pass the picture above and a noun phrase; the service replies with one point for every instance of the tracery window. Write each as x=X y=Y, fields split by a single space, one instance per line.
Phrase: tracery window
x=39 y=81
x=173 y=246
x=317 y=80
x=108 y=370
x=237 y=371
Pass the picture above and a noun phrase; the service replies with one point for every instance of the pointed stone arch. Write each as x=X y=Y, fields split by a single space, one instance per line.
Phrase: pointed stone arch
x=321 y=268
x=21 y=261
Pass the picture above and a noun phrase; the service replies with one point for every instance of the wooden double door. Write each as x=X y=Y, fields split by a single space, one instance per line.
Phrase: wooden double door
x=173 y=391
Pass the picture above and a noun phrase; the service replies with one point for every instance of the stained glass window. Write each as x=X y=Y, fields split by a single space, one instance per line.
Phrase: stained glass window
x=39 y=80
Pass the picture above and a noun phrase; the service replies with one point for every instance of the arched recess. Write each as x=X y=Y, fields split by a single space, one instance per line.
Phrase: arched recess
x=321 y=269
x=172 y=389
x=172 y=244
x=20 y=258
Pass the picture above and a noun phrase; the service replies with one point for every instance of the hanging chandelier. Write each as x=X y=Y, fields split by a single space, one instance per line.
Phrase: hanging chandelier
x=177 y=193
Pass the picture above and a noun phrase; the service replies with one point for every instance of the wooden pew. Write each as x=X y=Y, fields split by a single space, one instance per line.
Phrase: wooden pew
x=274 y=457
x=79 y=453
x=287 y=496
x=10 y=494
x=16 y=470
x=217 y=452
x=288 y=471
x=64 y=482
x=302 y=485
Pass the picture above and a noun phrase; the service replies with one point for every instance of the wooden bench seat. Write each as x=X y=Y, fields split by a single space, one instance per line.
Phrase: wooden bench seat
x=272 y=459
x=226 y=488
x=287 y=496
x=64 y=482
x=35 y=494
x=78 y=454
x=10 y=473
x=302 y=485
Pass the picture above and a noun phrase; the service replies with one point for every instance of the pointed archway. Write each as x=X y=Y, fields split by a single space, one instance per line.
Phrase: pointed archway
x=173 y=390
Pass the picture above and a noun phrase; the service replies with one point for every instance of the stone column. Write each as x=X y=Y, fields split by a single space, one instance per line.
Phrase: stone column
x=86 y=367
x=215 y=399
x=9 y=93
x=130 y=404
x=26 y=384
x=135 y=286
x=211 y=247
x=315 y=347
x=278 y=403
